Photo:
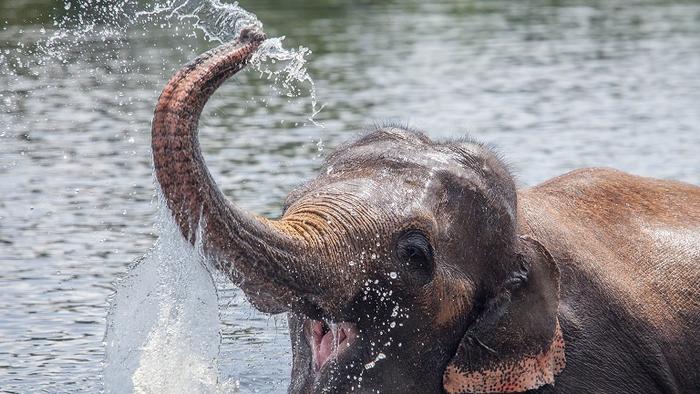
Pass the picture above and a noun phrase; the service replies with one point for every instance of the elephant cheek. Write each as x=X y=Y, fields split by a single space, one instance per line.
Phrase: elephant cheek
x=454 y=300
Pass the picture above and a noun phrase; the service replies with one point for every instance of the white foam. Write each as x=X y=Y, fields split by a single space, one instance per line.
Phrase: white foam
x=163 y=323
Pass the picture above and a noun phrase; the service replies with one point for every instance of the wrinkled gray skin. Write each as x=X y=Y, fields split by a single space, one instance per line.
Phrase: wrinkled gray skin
x=415 y=248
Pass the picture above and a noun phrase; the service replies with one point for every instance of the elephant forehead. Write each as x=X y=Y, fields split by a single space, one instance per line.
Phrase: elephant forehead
x=380 y=191
x=384 y=156
x=348 y=192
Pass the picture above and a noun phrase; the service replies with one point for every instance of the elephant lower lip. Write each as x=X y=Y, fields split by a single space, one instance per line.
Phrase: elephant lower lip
x=327 y=341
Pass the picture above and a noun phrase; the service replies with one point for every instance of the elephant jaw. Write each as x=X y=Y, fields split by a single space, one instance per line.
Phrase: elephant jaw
x=328 y=341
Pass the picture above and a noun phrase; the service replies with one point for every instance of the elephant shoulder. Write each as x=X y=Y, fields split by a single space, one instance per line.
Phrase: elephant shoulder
x=627 y=250
x=603 y=190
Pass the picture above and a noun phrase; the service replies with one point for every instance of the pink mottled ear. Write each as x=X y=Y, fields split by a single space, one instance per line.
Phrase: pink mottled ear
x=516 y=344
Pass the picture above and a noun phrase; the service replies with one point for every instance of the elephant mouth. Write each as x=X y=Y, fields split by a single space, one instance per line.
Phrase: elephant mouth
x=328 y=340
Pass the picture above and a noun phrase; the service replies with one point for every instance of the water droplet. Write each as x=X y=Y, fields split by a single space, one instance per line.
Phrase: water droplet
x=393 y=275
x=395 y=311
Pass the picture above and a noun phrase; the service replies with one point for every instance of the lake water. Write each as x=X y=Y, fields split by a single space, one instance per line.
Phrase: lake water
x=554 y=85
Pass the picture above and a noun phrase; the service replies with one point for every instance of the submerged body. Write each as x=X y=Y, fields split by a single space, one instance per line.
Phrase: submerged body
x=410 y=265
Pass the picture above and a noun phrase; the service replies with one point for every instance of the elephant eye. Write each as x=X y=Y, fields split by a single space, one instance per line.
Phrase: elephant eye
x=414 y=249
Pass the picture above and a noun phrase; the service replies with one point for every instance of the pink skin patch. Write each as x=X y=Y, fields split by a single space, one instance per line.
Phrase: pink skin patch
x=527 y=373
x=327 y=341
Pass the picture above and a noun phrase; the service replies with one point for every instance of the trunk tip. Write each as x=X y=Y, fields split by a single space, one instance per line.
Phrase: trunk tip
x=251 y=34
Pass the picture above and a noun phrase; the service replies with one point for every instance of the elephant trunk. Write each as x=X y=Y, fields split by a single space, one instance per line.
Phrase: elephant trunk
x=268 y=260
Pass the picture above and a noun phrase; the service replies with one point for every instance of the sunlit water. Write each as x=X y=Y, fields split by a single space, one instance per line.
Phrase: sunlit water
x=555 y=87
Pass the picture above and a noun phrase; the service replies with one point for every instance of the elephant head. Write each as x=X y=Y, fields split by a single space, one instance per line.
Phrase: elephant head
x=400 y=265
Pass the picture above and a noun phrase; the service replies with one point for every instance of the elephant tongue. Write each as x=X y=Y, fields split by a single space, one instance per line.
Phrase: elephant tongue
x=328 y=344
x=325 y=348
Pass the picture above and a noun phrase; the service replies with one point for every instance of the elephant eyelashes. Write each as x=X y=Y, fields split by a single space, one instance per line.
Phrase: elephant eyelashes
x=414 y=250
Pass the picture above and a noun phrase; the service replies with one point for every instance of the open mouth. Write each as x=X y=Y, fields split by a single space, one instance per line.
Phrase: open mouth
x=328 y=340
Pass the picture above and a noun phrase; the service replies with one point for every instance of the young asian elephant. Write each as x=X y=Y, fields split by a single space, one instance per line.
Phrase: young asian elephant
x=415 y=266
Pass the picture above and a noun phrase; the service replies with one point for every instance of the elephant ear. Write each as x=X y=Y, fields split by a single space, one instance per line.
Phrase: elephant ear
x=516 y=344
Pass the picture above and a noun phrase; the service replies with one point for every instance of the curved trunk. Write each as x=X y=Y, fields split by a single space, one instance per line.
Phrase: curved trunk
x=258 y=255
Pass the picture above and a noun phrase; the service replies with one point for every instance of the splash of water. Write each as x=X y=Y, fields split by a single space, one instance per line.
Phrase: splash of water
x=221 y=22
x=162 y=333
x=218 y=21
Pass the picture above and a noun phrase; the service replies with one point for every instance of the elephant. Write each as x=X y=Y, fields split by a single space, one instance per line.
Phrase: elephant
x=417 y=266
